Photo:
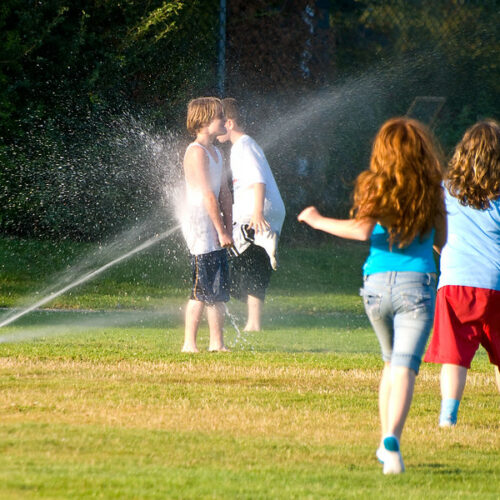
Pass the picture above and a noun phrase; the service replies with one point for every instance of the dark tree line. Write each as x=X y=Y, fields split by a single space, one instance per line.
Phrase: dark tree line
x=93 y=94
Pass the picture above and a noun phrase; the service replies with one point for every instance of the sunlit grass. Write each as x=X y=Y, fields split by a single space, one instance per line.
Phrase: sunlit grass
x=30 y=269
x=96 y=401
x=90 y=418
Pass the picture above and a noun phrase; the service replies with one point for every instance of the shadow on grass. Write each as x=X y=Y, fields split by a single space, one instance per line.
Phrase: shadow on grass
x=159 y=333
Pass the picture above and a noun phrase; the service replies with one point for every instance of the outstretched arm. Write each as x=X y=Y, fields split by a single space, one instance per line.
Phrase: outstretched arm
x=353 y=229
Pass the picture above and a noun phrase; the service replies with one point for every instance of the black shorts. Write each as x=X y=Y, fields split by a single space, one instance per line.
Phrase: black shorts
x=250 y=273
x=210 y=277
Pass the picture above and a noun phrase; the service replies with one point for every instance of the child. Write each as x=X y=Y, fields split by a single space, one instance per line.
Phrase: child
x=398 y=205
x=468 y=299
x=258 y=214
x=206 y=231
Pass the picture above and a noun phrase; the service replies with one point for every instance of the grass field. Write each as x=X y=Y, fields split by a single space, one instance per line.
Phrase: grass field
x=96 y=401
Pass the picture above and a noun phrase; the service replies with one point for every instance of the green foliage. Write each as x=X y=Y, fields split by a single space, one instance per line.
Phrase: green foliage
x=454 y=44
x=69 y=71
x=163 y=17
x=72 y=71
x=95 y=53
x=386 y=53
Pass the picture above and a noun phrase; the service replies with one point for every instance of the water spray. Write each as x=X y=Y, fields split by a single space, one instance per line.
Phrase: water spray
x=148 y=243
x=240 y=339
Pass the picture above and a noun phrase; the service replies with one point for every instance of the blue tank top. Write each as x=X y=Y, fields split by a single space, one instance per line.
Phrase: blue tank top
x=416 y=257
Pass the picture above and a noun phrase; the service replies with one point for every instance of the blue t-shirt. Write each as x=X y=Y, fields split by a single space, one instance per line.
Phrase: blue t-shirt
x=471 y=256
x=417 y=256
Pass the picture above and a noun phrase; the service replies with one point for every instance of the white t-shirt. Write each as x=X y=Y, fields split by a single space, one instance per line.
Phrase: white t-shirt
x=197 y=227
x=249 y=166
x=471 y=256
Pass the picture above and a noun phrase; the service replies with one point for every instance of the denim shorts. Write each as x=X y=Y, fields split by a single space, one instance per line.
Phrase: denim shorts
x=210 y=277
x=400 y=307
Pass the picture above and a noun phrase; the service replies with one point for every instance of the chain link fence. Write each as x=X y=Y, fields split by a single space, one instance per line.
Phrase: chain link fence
x=436 y=61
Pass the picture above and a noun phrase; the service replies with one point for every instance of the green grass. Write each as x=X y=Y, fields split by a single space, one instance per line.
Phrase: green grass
x=98 y=402
x=29 y=269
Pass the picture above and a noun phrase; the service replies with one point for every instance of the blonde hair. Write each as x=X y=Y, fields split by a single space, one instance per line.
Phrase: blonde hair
x=402 y=188
x=201 y=112
x=473 y=176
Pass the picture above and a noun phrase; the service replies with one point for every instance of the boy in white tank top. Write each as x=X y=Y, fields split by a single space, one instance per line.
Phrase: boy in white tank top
x=206 y=223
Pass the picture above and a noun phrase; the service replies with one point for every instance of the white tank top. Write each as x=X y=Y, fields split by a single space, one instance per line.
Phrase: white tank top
x=197 y=227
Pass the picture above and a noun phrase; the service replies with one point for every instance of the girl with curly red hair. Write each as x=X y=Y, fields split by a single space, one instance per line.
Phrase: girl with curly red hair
x=398 y=206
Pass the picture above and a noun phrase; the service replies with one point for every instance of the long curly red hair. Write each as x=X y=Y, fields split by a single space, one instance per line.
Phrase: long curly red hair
x=402 y=188
x=474 y=170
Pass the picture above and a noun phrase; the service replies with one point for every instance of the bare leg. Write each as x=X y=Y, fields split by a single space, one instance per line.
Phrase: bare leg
x=194 y=312
x=402 y=384
x=254 y=314
x=395 y=395
x=453 y=378
x=497 y=376
x=383 y=397
x=215 y=317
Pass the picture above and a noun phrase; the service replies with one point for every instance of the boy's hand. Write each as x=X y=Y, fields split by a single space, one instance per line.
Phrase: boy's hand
x=309 y=215
x=258 y=223
x=225 y=240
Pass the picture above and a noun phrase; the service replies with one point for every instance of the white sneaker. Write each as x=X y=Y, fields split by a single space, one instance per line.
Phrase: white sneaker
x=380 y=453
x=447 y=423
x=393 y=461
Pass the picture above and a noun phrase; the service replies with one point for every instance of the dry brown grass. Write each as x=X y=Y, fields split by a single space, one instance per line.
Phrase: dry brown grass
x=293 y=401
x=302 y=403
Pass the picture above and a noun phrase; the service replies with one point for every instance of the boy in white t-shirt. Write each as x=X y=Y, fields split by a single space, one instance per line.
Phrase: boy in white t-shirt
x=258 y=215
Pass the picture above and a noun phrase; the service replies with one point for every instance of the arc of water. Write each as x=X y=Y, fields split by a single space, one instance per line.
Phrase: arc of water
x=151 y=241
x=234 y=323
x=240 y=339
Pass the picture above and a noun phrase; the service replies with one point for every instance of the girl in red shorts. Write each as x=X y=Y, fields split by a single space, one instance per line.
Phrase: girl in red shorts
x=468 y=300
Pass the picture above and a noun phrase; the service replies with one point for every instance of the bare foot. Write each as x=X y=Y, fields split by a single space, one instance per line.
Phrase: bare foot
x=219 y=349
x=189 y=348
x=251 y=329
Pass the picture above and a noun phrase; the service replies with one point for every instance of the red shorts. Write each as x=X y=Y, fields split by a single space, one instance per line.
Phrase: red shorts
x=465 y=317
